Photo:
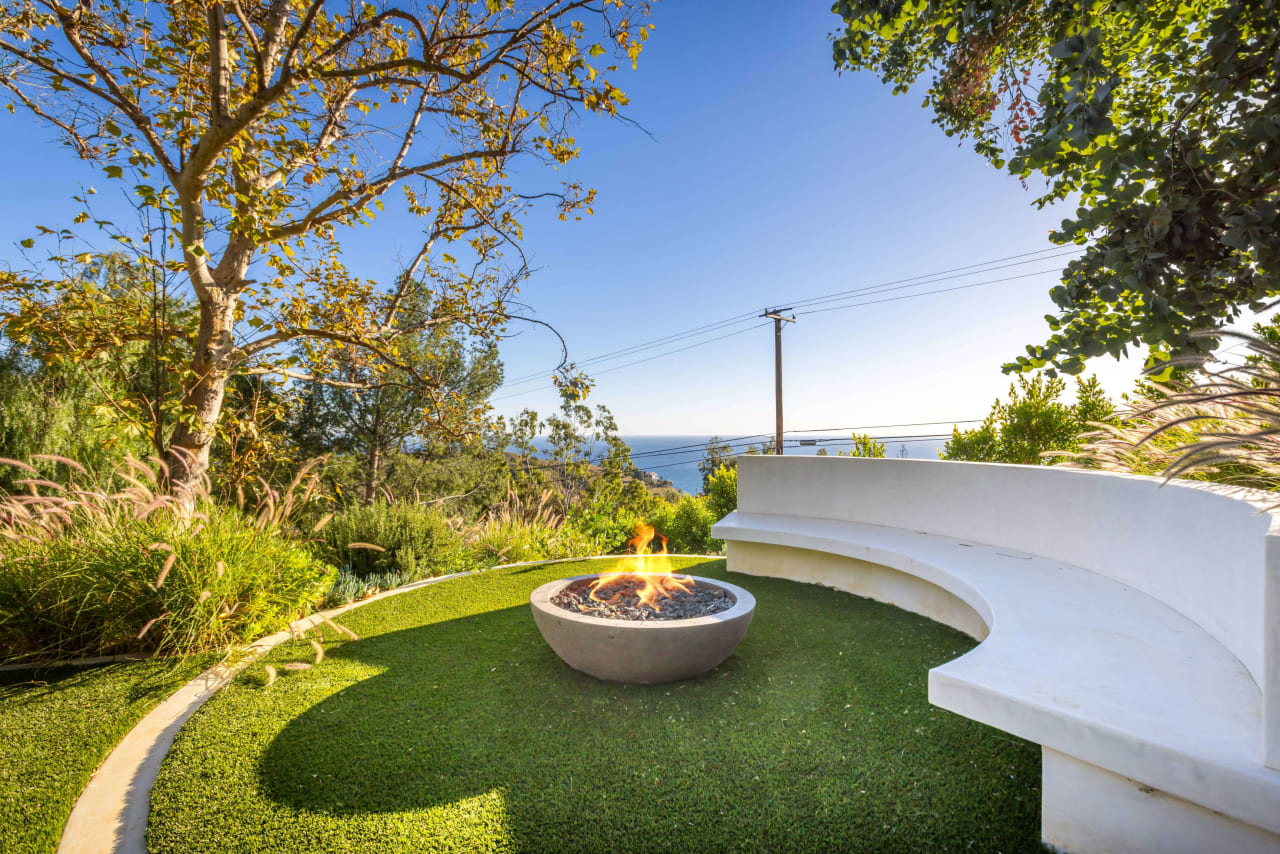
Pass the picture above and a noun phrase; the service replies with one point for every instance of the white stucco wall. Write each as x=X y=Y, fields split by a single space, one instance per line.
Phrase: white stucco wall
x=1204 y=551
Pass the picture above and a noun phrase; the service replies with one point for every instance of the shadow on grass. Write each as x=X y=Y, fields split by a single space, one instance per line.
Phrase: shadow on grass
x=816 y=735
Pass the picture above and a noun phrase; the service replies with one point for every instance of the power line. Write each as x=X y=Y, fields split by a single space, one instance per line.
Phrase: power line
x=931 y=279
x=750 y=438
x=647 y=345
x=926 y=293
x=651 y=358
x=561 y=479
x=895 y=439
x=896 y=284
x=745 y=441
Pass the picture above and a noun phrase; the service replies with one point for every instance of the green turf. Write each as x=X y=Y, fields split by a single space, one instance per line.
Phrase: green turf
x=56 y=727
x=452 y=727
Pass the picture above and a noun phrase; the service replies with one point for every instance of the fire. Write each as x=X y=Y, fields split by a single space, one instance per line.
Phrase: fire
x=648 y=575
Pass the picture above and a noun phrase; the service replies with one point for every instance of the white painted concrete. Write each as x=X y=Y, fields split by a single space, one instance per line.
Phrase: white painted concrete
x=1086 y=810
x=1128 y=623
x=861 y=578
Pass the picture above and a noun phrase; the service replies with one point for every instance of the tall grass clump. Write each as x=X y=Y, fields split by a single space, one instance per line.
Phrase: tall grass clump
x=87 y=571
x=1221 y=425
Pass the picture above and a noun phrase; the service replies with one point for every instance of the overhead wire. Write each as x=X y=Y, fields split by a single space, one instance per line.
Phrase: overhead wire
x=896 y=284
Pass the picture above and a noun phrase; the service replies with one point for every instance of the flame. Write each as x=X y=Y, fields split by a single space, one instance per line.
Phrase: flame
x=648 y=574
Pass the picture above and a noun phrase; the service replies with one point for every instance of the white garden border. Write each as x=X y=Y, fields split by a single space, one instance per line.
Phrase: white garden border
x=110 y=816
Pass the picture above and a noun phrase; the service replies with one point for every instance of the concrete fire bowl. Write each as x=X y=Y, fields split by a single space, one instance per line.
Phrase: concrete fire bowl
x=642 y=652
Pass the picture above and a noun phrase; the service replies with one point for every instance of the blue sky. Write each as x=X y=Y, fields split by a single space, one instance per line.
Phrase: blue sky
x=768 y=178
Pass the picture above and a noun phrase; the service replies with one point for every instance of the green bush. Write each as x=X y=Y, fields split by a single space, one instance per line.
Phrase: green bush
x=414 y=540
x=598 y=526
x=687 y=526
x=722 y=491
x=98 y=583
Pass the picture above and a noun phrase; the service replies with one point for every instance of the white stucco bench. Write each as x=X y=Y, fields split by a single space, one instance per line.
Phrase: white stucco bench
x=1132 y=630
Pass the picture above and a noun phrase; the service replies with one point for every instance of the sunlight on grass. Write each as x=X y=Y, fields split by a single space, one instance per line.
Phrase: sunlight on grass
x=452 y=727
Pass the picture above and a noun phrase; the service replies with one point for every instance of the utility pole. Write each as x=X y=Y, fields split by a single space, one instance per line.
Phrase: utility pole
x=776 y=316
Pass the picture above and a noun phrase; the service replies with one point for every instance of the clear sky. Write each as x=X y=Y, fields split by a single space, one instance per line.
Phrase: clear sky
x=767 y=179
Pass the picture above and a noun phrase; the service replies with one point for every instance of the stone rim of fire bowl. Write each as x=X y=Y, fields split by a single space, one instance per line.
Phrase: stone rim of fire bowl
x=642 y=652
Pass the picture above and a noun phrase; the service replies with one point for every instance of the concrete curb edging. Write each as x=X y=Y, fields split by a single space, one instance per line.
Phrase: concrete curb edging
x=110 y=816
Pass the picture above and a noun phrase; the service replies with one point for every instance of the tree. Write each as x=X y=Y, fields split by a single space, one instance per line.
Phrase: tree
x=864 y=446
x=1161 y=118
x=1031 y=423
x=255 y=134
x=437 y=396
x=55 y=410
x=717 y=455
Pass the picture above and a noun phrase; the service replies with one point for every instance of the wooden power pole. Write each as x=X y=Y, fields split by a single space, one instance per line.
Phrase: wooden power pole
x=778 y=320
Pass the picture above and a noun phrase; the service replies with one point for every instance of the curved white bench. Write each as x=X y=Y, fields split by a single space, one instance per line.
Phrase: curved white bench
x=1131 y=629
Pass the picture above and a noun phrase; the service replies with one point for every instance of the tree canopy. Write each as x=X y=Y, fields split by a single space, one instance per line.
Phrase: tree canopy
x=1160 y=119
x=253 y=136
x=1034 y=421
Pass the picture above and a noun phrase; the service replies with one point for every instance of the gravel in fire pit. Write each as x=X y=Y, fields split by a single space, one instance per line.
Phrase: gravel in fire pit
x=621 y=602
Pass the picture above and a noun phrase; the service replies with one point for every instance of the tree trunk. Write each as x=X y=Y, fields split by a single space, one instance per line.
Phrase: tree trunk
x=188 y=454
x=373 y=462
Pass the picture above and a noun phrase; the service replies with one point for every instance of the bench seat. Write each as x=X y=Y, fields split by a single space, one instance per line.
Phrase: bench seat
x=1072 y=660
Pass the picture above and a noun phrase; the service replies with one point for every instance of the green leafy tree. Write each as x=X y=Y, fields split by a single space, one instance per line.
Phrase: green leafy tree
x=722 y=492
x=436 y=397
x=1158 y=120
x=1033 y=421
x=717 y=455
x=864 y=446
x=255 y=135
x=55 y=410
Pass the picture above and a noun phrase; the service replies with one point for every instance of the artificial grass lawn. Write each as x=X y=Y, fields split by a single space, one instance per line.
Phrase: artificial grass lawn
x=452 y=727
x=56 y=727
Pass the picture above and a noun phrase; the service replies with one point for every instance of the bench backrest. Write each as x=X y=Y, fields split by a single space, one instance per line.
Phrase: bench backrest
x=1205 y=551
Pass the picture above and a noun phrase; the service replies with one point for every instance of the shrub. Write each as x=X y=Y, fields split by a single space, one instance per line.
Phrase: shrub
x=687 y=526
x=110 y=582
x=722 y=492
x=414 y=540
x=597 y=526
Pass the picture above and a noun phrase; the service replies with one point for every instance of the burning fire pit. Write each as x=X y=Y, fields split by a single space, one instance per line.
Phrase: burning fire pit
x=641 y=623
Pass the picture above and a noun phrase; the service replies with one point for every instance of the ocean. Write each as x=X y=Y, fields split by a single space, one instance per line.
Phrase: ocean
x=675 y=458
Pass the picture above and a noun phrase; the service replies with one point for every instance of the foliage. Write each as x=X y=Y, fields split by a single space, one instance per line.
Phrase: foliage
x=414 y=540
x=597 y=526
x=1160 y=120
x=1032 y=423
x=450 y=711
x=687 y=526
x=465 y=480
x=56 y=727
x=85 y=572
x=254 y=135
x=437 y=398
x=1218 y=425
x=717 y=455
x=864 y=445
x=47 y=409
x=584 y=460
x=722 y=492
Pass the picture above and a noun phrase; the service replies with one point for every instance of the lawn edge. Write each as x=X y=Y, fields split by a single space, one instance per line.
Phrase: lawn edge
x=110 y=815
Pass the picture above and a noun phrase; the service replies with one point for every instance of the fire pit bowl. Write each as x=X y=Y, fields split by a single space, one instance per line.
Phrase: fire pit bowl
x=642 y=652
